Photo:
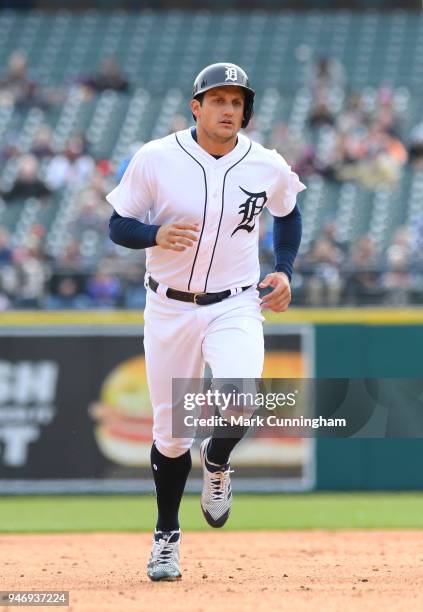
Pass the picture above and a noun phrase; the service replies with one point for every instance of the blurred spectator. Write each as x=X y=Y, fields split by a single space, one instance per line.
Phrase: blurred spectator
x=8 y=277
x=291 y=146
x=24 y=92
x=104 y=167
x=397 y=279
x=416 y=146
x=67 y=296
x=364 y=281
x=70 y=258
x=74 y=166
x=109 y=76
x=104 y=290
x=93 y=214
x=27 y=183
x=6 y=252
x=16 y=80
x=379 y=159
x=329 y=232
x=325 y=283
x=134 y=286
x=321 y=114
x=31 y=96
x=97 y=183
x=36 y=234
x=42 y=145
x=9 y=284
x=10 y=146
x=384 y=113
x=307 y=163
x=353 y=114
x=4 y=301
x=416 y=240
x=33 y=273
x=327 y=73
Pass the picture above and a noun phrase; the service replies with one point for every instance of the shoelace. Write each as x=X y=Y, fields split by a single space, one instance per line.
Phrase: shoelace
x=219 y=483
x=163 y=550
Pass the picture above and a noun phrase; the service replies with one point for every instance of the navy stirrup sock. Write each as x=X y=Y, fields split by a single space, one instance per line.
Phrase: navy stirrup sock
x=170 y=476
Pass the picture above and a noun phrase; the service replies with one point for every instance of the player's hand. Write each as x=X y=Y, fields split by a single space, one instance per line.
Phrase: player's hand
x=177 y=236
x=279 y=298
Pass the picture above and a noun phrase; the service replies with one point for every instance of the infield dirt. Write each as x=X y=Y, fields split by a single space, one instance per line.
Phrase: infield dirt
x=249 y=571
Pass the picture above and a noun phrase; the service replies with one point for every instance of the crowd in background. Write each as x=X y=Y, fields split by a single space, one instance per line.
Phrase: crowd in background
x=351 y=136
x=348 y=138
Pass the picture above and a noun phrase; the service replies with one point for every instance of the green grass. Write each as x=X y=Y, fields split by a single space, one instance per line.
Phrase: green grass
x=137 y=513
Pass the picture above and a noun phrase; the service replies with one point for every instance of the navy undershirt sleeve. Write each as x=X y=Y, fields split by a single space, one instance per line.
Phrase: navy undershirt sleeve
x=131 y=233
x=286 y=240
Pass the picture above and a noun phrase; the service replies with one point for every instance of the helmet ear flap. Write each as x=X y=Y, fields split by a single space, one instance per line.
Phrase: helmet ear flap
x=248 y=110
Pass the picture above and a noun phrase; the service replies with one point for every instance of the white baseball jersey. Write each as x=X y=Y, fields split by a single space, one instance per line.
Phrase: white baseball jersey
x=174 y=179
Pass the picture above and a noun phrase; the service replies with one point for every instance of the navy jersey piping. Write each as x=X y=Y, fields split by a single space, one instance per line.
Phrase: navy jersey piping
x=221 y=212
x=204 y=214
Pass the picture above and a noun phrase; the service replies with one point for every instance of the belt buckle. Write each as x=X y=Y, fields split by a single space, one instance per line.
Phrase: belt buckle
x=196 y=295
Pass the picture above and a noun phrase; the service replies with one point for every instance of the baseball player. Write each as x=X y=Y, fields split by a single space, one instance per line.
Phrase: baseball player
x=193 y=199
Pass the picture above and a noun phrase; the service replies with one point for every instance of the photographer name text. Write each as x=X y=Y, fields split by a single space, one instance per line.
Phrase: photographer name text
x=263 y=421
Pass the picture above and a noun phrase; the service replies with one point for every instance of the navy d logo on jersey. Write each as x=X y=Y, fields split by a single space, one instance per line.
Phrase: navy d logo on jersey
x=250 y=209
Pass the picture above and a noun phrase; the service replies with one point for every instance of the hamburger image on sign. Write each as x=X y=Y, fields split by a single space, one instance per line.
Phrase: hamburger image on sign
x=123 y=415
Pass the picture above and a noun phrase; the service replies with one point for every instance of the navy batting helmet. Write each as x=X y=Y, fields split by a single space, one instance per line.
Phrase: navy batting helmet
x=222 y=74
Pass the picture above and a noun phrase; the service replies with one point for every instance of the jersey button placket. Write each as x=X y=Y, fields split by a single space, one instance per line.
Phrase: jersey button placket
x=210 y=229
x=215 y=184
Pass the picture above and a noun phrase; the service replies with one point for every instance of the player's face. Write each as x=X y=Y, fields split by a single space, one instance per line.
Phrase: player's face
x=219 y=116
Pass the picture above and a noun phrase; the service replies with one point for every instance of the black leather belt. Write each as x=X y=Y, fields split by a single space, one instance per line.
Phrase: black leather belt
x=201 y=299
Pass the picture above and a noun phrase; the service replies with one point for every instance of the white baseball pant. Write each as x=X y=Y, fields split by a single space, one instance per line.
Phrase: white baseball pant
x=180 y=337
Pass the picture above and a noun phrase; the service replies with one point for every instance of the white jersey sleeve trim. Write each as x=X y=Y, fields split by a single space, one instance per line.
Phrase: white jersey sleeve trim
x=287 y=188
x=133 y=197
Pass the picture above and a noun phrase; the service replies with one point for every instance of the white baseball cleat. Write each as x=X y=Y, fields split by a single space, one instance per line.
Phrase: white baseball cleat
x=216 y=497
x=164 y=559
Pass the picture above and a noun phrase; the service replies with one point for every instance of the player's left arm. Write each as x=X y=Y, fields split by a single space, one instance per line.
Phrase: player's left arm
x=287 y=232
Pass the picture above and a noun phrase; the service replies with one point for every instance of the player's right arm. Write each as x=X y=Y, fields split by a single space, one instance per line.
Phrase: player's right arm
x=132 y=200
x=134 y=234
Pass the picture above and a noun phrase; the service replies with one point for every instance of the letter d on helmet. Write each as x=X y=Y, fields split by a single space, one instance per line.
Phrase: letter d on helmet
x=222 y=74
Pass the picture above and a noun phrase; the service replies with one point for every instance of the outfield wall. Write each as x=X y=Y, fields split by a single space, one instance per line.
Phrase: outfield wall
x=392 y=349
x=75 y=413
x=57 y=435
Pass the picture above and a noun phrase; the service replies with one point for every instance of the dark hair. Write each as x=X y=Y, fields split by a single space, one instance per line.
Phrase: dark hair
x=200 y=98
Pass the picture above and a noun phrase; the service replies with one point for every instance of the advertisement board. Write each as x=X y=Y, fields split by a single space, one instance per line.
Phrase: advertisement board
x=75 y=413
